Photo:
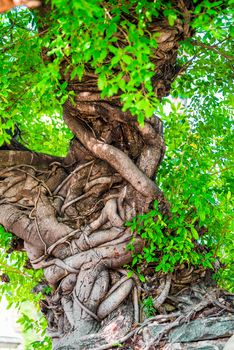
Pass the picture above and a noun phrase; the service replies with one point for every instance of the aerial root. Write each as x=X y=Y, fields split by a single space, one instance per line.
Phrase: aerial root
x=96 y=186
x=54 y=262
x=82 y=306
x=136 y=304
x=89 y=240
x=165 y=288
x=89 y=289
x=77 y=169
x=80 y=273
x=112 y=256
x=109 y=213
x=120 y=201
x=112 y=300
x=175 y=320
x=115 y=157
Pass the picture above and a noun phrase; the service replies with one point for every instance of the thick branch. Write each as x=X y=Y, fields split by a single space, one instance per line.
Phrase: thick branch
x=11 y=158
x=115 y=157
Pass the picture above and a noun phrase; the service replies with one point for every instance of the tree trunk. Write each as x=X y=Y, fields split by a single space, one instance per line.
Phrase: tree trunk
x=71 y=212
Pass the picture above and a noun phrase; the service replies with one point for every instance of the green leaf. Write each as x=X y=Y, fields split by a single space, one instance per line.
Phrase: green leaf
x=141 y=278
x=102 y=82
x=194 y=233
x=171 y=19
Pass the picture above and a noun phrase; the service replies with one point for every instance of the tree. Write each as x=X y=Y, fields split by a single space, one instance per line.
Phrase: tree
x=84 y=216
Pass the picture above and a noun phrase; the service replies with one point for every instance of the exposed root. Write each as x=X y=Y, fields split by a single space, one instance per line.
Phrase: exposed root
x=116 y=158
x=54 y=262
x=75 y=200
x=80 y=167
x=115 y=298
x=62 y=240
x=109 y=213
x=136 y=305
x=71 y=216
x=164 y=293
x=116 y=342
x=89 y=312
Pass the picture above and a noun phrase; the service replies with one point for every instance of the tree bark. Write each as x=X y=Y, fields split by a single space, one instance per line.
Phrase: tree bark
x=71 y=212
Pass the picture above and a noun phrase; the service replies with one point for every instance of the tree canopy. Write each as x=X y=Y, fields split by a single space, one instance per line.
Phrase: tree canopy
x=43 y=52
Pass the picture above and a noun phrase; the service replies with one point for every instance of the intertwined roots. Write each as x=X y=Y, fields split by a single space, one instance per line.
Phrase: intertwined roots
x=70 y=213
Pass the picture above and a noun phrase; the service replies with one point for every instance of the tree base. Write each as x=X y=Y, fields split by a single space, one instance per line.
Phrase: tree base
x=202 y=318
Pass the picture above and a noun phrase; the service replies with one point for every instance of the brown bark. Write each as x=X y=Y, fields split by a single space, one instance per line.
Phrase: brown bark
x=70 y=212
x=71 y=219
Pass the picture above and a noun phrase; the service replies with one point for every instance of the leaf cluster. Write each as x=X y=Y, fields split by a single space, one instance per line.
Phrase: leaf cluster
x=113 y=40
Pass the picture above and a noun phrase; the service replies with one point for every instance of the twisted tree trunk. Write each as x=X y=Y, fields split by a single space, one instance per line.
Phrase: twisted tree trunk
x=70 y=213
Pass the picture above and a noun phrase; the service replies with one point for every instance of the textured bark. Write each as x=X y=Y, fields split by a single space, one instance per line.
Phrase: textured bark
x=70 y=212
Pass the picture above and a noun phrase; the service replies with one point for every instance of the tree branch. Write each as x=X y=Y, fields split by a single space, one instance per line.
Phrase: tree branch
x=115 y=157
x=10 y=158
x=213 y=48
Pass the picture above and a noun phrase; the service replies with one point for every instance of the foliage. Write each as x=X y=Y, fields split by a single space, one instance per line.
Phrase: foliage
x=17 y=289
x=22 y=280
x=197 y=173
x=169 y=241
x=26 y=99
x=197 y=178
x=30 y=87
x=148 y=307
x=34 y=327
